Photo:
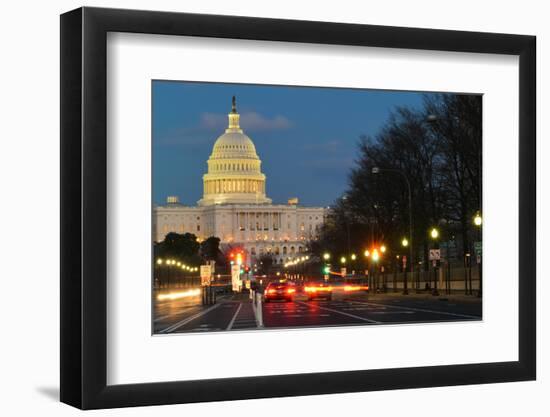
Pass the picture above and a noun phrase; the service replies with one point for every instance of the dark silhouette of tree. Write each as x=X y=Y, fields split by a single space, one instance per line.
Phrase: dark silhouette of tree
x=210 y=248
x=438 y=148
x=183 y=247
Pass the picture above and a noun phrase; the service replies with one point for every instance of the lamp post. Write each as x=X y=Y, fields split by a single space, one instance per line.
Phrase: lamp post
x=434 y=234
x=405 y=243
x=477 y=222
x=345 y=199
x=377 y=170
x=375 y=258
x=367 y=269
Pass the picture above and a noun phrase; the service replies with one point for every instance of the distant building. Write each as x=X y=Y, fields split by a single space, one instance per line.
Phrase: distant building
x=235 y=208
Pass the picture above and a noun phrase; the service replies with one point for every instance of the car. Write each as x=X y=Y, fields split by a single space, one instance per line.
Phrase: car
x=279 y=291
x=318 y=290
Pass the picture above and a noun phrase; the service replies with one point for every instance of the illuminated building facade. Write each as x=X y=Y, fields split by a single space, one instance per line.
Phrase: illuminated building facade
x=235 y=207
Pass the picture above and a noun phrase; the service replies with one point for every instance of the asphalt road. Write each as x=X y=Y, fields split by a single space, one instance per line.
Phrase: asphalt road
x=235 y=312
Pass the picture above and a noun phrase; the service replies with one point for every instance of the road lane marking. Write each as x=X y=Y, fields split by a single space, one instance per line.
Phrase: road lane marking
x=422 y=310
x=178 y=313
x=189 y=319
x=234 y=317
x=345 y=314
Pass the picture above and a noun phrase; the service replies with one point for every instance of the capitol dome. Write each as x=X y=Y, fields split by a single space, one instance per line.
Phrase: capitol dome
x=234 y=169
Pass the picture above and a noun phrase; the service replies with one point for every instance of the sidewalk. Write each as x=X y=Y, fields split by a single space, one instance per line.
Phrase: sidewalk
x=457 y=296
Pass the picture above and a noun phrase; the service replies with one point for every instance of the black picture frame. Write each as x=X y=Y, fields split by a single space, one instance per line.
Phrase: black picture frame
x=84 y=207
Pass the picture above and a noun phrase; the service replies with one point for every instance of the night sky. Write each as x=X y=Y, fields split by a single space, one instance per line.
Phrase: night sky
x=306 y=137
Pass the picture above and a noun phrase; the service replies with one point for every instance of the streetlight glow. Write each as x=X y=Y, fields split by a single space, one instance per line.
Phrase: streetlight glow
x=405 y=242
x=434 y=233
x=383 y=249
x=477 y=219
x=367 y=253
x=326 y=256
x=375 y=255
x=353 y=257
x=343 y=259
x=159 y=261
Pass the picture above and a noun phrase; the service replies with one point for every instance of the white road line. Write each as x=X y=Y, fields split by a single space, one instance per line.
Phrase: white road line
x=170 y=315
x=189 y=319
x=345 y=314
x=234 y=317
x=422 y=310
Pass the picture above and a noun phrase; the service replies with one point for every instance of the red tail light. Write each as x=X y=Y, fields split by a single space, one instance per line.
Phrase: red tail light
x=290 y=290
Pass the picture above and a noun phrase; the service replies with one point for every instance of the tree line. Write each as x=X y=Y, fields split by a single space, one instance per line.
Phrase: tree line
x=437 y=147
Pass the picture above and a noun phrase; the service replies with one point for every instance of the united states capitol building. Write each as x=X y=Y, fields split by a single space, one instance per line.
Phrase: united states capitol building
x=235 y=206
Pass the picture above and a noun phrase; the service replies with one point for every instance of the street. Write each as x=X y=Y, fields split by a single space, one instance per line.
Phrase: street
x=236 y=312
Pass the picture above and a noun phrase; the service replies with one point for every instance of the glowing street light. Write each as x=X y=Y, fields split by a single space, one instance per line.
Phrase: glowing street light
x=159 y=261
x=434 y=233
x=343 y=260
x=383 y=249
x=367 y=254
x=477 y=219
x=375 y=255
x=326 y=256
x=353 y=257
x=477 y=222
x=404 y=242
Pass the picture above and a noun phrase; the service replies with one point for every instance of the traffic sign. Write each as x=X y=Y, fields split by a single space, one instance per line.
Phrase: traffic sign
x=206 y=274
x=236 y=278
x=477 y=248
x=435 y=254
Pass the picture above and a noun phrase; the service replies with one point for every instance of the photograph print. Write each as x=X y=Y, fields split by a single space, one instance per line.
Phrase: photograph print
x=281 y=207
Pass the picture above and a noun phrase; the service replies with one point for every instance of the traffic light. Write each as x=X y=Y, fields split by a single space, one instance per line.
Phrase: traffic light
x=326 y=269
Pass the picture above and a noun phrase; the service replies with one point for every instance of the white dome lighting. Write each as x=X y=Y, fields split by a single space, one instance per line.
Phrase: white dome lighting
x=234 y=169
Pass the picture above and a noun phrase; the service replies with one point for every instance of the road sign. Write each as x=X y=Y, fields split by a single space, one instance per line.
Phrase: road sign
x=477 y=248
x=206 y=274
x=435 y=254
x=236 y=282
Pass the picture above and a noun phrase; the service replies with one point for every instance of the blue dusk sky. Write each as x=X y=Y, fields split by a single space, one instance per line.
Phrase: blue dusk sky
x=306 y=137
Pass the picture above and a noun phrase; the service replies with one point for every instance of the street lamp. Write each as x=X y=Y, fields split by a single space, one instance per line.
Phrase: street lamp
x=353 y=257
x=383 y=249
x=434 y=233
x=343 y=260
x=326 y=256
x=477 y=222
x=377 y=170
x=477 y=219
x=405 y=243
x=345 y=199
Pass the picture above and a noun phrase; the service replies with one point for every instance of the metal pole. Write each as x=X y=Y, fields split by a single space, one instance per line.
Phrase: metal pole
x=411 y=261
